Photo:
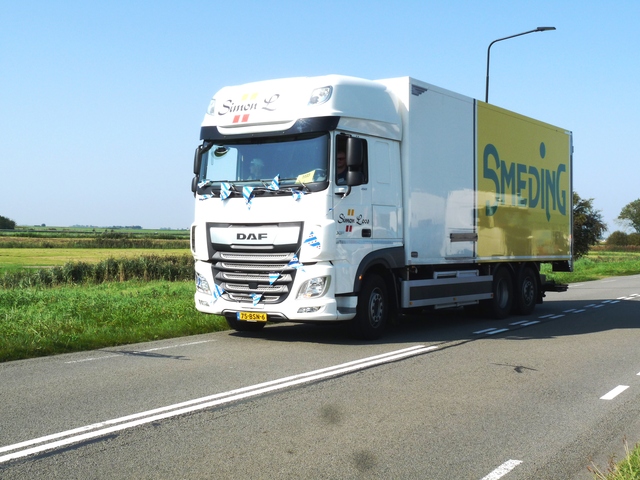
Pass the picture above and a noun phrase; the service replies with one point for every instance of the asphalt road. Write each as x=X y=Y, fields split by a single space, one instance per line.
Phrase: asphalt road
x=445 y=395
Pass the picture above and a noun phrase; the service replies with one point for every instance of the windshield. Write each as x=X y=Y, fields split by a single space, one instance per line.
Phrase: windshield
x=298 y=161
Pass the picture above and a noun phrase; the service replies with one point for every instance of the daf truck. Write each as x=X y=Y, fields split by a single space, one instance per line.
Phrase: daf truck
x=339 y=199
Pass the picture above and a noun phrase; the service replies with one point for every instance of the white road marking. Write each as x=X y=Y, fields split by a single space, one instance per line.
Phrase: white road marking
x=533 y=322
x=127 y=352
x=614 y=393
x=87 y=432
x=502 y=470
x=480 y=332
x=498 y=331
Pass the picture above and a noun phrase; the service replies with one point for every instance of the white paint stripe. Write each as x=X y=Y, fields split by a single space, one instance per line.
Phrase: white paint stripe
x=502 y=470
x=125 y=353
x=580 y=311
x=590 y=305
x=77 y=435
x=614 y=301
x=548 y=315
x=570 y=310
x=480 y=332
x=530 y=323
x=599 y=306
x=556 y=316
x=615 y=392
x=498 y=331
x=518 y=323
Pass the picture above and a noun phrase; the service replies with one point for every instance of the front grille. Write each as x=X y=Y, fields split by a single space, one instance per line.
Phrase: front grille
x=242 y=274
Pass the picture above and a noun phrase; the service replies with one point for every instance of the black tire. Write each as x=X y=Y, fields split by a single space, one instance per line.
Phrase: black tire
x=526 y=295
x=372 y=311
x=500 y=305
x=241 y=326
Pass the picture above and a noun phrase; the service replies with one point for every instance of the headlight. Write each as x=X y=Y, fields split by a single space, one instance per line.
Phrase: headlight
x=320 y=95
x=202 y=285
x=314 y=288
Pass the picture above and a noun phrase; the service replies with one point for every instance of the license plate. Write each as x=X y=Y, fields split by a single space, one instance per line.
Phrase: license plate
x=251 y=316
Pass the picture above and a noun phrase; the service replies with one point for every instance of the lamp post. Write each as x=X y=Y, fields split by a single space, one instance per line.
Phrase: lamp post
x=539 y=29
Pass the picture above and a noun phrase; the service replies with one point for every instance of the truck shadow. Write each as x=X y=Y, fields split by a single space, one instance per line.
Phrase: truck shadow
x=552 y=319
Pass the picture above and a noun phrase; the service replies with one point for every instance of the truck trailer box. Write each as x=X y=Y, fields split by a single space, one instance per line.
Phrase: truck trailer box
x=480 y=183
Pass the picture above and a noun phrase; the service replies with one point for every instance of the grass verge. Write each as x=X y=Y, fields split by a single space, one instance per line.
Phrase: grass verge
x=36 y=321
x=627 y=469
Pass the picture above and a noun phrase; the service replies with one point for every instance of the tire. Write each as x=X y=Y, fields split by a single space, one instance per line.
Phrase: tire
x=372 y=311
x=241 y=326
x=526 y=295
x=499 y=307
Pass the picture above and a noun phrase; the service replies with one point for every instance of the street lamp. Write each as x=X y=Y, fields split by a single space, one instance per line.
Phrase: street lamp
x=539 y=29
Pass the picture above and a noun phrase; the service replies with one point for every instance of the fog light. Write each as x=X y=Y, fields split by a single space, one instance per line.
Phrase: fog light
x=202 y=285
x=308 y=309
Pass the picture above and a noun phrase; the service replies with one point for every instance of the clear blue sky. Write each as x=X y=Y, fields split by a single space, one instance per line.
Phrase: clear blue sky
x=101 y=101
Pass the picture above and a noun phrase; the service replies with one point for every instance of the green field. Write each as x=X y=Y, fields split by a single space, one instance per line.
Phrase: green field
x=12 y=259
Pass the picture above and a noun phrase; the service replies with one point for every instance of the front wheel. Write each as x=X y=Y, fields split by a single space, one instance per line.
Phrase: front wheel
x=372 y=311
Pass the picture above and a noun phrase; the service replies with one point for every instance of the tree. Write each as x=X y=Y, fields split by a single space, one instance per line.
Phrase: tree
x=630 y=214
x=7 y=223
x=588 y=226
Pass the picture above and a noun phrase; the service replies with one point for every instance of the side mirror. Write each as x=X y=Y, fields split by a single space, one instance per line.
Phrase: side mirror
x=354 y=152
x=194 y=184
x=197 y=160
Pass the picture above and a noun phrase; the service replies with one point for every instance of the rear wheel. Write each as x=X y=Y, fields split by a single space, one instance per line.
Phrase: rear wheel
x=242 y=326
x=373 y=309
x=526 y=291
x=500 y=305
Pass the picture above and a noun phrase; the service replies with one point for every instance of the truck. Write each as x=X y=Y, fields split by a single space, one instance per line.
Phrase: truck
x=340 y=199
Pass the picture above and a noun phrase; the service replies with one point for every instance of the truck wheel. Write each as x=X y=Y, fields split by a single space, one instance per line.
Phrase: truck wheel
x=526 y=291
x=499 y=306
x=241 y=326
x=372 y=311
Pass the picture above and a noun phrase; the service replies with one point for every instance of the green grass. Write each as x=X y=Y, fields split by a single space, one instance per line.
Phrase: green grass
x=627 y=469
x=37 y=322
x=597 y=265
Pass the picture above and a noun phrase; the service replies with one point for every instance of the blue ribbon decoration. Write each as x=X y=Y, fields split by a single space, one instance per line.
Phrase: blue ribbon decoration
x=217 y=291
x=225 y=190
x=247 y=193
x=275 y=183
x=313 y=241
x=256 y=298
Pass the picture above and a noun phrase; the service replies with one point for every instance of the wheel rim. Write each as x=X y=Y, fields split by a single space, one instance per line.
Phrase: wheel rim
x=528 y=290
x=376 y=308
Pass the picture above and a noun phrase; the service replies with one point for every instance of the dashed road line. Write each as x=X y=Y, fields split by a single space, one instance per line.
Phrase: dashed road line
x=502 y=470
x=614 y=393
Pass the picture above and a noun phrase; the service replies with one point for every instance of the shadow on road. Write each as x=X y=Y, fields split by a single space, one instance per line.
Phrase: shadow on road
x=562 y=318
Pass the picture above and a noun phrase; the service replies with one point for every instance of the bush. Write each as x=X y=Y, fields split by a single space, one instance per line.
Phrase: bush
x=145 y=268
x=7 y=223
x=618 y=239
